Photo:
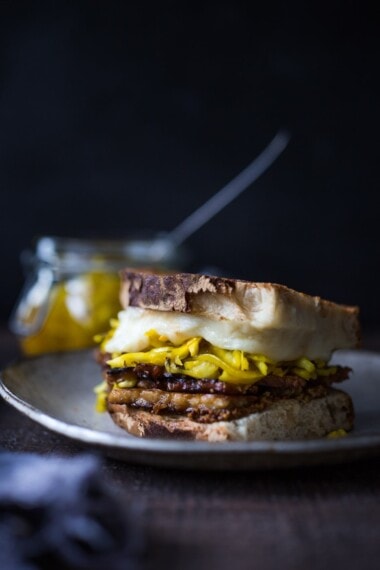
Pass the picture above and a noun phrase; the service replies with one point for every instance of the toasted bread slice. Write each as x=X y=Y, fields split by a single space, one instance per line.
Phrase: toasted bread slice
x=288 y=419
x=222 y=297
x=270 y=319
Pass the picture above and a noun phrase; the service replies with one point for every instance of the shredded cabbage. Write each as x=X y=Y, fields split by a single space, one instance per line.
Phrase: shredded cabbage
x=337 y=433
x=101 y=397
x=199 y=359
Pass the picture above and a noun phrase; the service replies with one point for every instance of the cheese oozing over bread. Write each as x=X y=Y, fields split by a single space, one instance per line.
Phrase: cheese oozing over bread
x=279 y=331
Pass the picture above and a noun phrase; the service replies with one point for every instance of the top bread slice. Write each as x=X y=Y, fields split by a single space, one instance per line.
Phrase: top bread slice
x=226 y=298
x=274 y=313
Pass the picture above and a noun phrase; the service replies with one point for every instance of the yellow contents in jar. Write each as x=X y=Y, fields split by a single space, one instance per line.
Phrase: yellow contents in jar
x=77 y=309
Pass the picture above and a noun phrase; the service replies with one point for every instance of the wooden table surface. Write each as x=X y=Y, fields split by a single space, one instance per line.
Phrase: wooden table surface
x=311 y=518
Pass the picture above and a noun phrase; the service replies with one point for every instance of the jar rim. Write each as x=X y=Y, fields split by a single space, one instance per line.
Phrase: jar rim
x=74 y=254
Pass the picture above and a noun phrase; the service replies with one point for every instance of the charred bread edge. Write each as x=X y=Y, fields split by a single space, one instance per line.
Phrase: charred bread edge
x=171 y=291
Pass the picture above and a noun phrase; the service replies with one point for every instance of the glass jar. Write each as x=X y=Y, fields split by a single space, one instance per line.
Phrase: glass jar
x=72 y=288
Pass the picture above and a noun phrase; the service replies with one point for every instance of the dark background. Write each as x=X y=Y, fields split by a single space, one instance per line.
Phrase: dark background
x=118 y=116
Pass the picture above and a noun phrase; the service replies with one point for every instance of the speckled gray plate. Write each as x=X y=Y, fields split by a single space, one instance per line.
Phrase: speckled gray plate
x=57 y=392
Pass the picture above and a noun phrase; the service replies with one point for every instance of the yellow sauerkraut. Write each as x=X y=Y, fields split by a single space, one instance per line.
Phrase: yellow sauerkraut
x=199 y=359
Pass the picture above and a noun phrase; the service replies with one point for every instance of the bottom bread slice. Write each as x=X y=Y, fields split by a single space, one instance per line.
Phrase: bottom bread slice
x=288 y=419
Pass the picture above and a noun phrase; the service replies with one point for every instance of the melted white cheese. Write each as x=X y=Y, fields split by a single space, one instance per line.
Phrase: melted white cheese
x=282 y=339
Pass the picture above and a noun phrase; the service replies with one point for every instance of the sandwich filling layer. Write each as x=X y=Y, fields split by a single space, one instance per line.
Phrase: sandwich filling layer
x=204 y=382
x=152 y=389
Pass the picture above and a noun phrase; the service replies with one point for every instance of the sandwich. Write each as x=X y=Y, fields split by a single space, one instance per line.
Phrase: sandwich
x=209 y=358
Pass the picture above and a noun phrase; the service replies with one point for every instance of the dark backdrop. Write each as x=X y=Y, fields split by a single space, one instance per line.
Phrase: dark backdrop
x=117 y=116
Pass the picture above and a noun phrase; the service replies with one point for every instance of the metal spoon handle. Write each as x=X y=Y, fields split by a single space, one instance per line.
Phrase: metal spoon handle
x=231 y=191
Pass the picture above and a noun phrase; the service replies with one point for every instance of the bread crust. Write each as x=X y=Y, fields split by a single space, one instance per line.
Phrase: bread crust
x=170 y=291
x=289 y=419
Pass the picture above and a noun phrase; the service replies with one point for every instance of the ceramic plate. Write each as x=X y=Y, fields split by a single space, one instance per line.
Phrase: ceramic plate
x=57 y=392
